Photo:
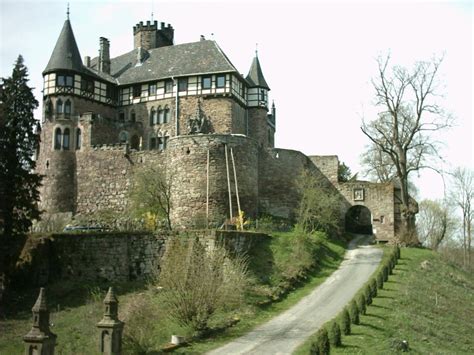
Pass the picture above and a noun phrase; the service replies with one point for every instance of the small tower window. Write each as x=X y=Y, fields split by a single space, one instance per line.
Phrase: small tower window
x=206 y=82
x=168 y=86
x=161 y=115
x=220 y=81
x=59 y=106
x=57 y=139
x=64 y=80
x=67 y=107
x=182 y=84
x=167 y=115
x=78 y=139
x=66 y=139
x=48 y=108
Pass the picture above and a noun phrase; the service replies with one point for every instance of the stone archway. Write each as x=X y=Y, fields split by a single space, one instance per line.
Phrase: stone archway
x=359 y=220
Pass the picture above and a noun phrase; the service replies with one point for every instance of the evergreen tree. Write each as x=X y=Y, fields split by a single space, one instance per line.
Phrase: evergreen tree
x=18 y=142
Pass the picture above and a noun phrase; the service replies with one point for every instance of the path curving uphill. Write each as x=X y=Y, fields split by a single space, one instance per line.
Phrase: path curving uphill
x=284 y=333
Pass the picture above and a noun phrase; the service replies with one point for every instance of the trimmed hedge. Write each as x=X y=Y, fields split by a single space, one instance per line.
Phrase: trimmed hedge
x=354 y=312
x=345 y=322
x=321 y=345
x=361 y=303
x=334 y=333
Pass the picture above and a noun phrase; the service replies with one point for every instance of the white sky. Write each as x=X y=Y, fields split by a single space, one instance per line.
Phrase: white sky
x=317 y=56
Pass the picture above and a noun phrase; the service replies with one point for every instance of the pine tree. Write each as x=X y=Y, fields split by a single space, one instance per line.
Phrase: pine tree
x=18 y=142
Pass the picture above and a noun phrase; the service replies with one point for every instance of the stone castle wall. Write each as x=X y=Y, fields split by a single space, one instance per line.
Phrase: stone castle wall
x=111 y=257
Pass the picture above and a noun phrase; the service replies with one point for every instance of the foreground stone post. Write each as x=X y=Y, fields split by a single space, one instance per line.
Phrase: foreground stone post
x=40 y=340
x=110 y=328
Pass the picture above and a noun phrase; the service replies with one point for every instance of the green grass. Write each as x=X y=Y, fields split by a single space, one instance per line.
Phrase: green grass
x=279 y=265
x=432 y=308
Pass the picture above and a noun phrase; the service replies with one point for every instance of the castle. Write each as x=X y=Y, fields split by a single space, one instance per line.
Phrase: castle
x=185 y=109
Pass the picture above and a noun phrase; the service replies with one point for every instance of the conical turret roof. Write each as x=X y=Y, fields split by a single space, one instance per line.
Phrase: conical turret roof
x=255 y=76
x=65 y=54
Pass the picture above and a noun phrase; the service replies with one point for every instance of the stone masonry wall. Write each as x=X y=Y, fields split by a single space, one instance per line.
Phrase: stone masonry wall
x=111 y=257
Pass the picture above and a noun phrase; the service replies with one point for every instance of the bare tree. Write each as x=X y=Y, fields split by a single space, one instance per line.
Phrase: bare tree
x=403 y=129
x=434 y=223
x=461 y=195
x=377 y=165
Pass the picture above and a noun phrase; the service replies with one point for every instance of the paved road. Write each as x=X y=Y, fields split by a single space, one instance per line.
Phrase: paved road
x=284 y=333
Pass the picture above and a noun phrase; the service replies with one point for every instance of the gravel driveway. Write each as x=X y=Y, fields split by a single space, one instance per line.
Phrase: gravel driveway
x=284 y=333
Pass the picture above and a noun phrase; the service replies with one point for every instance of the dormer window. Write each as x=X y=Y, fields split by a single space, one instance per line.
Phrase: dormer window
x=64 y=80
x=220 y=81
x=206 y=82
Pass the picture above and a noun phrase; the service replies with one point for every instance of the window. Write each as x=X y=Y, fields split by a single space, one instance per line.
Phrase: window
x=167 y=115
x=151 y=89
x=206 y=82
x=59 y=106
x=165 y=142
x=182 y=84
x=67 y=107
x=135 y=142
x=122 y=116
x=168 y=86
x=137 y=91
x=57 y=139
x=133 y=117
x=153 y=143
x=220 y=81
x=48 y=110
x=161 y=143
x=78 y=139
x=66 y=139
x=87 y=85
x=161 y=115
x=153 y=117
x=123 y=137
x=262 y=95
x=64 y=80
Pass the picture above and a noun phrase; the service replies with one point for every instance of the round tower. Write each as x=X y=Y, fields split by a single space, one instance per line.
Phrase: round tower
x=60 y=134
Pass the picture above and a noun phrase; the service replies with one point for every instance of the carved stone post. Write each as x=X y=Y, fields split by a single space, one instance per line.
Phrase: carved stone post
x=110 y=328
x=40 y=340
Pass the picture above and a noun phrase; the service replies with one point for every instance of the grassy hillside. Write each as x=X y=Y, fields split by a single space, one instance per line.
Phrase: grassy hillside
x=287 y=262
x=426 y=302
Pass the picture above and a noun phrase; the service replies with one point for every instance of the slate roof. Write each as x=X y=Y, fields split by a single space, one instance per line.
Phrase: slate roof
x=255 y=76
x=66 y=53
x=196 y=58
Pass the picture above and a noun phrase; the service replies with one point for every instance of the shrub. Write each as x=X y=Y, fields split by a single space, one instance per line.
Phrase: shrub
x=334 y=333
x=345 y=322
x=380 y=280
x=196 y=282
x=321 y=345
x=354 y=312
x=373 y=287
x=361 y=303
x=368 y=295
x=385 y=273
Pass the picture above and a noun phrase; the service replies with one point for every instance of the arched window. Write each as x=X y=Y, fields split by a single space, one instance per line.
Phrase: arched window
x=59 y=106
x=48 y=107
x=123 y=137
x=161 y=115
x=66 y=139
x=152 y=116
x=167 y=115
x=57 y=139
x=78 y=139
x=67 y=107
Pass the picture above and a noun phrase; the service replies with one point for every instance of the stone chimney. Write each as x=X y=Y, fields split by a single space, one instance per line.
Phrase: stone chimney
x=104 y=55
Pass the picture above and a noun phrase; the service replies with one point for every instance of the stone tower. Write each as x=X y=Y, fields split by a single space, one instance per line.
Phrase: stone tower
x=149 y=36
x=261 y=124
x=60 y=135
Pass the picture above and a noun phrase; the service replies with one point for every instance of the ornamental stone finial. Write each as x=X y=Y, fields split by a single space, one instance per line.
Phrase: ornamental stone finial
x=110 y=327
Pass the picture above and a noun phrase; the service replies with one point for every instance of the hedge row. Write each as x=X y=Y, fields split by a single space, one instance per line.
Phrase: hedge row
x=330 y=333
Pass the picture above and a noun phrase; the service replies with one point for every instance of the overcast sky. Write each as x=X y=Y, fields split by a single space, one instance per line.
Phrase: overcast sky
x=318 y=57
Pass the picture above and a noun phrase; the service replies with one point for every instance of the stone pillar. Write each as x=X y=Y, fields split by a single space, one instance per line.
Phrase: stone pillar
x=110 y=328
x=40 y=340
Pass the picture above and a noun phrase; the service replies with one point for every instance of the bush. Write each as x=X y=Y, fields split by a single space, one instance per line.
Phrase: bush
x=345 y=322
x=354 y=312
x=196 y=281
x=334 y=333
x=368 y=295
x=380 y=280
x=362 y=304
x=321 y=345
x=385 y=273
x=373 y=287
